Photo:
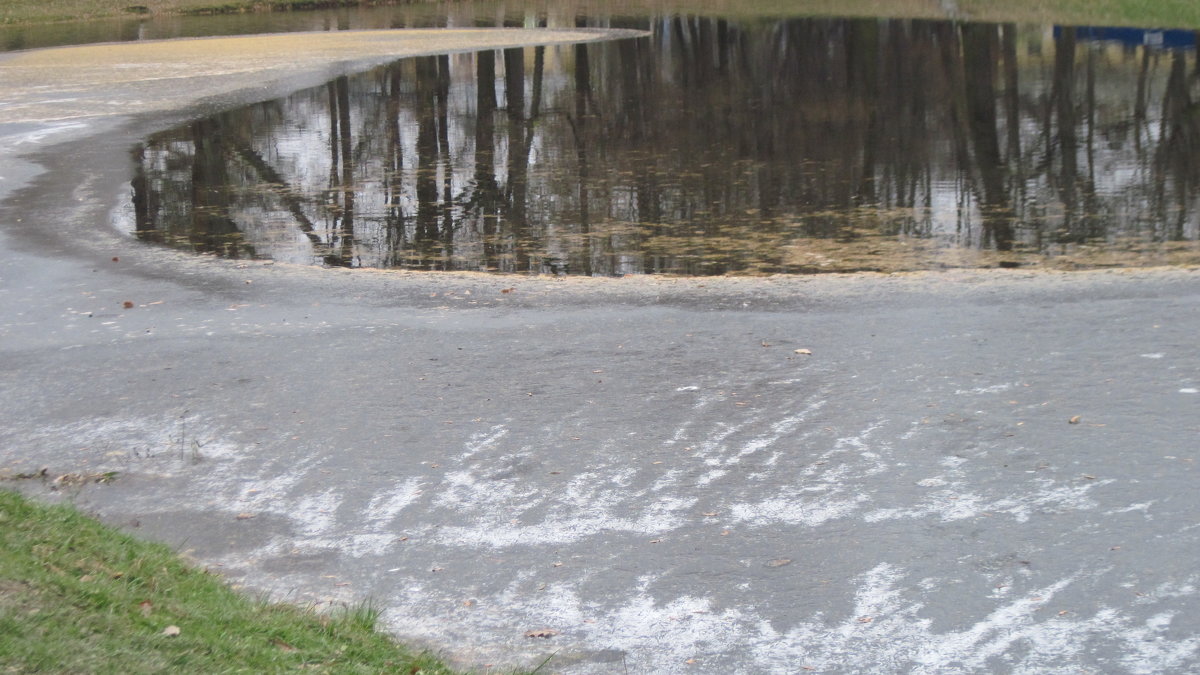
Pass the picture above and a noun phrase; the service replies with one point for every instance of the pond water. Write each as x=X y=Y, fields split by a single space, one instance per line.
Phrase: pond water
x=713 y=146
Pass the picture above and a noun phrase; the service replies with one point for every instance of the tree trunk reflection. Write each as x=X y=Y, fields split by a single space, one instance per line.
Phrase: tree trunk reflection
x=712 y=146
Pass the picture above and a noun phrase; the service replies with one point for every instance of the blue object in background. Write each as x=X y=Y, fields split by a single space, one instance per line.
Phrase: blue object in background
x=1156 y=38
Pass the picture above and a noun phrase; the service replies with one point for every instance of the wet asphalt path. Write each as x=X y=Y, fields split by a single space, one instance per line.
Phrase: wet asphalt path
x=970 y=472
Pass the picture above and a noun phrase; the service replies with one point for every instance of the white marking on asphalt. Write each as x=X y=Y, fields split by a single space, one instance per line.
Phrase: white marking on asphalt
x=316 y=513
x=385 y=506
x=483 y=441
x=994 y=389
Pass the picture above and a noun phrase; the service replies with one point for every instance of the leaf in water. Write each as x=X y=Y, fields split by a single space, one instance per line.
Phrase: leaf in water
x=541 y=633
x=171 y=631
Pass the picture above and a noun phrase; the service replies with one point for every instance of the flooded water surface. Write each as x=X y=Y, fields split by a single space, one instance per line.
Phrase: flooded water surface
x=710 y=147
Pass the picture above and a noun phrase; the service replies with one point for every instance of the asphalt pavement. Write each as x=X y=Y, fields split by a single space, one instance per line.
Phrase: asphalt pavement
x=943 y=472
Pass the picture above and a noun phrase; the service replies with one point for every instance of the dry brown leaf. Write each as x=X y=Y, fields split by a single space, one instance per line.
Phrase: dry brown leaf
x=127 y=304
x=245 y=516
x=541 y=633
x=283 y=646
x=1074 y=420
x=171 y=631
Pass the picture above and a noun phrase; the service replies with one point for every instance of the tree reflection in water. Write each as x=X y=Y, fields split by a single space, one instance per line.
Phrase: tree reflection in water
x=711 y=147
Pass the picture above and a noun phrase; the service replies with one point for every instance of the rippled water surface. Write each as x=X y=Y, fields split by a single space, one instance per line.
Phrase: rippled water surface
x=713 y=146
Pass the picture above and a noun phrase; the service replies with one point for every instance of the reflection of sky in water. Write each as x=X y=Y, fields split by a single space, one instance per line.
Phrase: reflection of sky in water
x=709 y=148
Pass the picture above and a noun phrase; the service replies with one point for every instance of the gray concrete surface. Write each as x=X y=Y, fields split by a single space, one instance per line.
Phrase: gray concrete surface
x=645 y=466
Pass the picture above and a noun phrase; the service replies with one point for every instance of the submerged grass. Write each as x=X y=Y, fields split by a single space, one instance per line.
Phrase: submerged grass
x=77 y=596
x=1157 y=13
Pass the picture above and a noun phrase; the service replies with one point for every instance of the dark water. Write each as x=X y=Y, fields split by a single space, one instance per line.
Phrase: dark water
x=713 y=147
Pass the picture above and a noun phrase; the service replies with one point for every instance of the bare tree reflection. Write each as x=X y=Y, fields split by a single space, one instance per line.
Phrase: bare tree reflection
x=712 y=146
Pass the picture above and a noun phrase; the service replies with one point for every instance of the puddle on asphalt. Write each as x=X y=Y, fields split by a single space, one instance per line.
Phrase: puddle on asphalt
x=712 y=147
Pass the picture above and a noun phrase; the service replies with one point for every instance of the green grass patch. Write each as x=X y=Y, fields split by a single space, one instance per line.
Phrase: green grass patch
x=77 y=596
x=17 y=12
x=1156 y=13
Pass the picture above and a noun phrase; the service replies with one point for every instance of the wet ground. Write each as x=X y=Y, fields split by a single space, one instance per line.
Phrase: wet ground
x=966 y=471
